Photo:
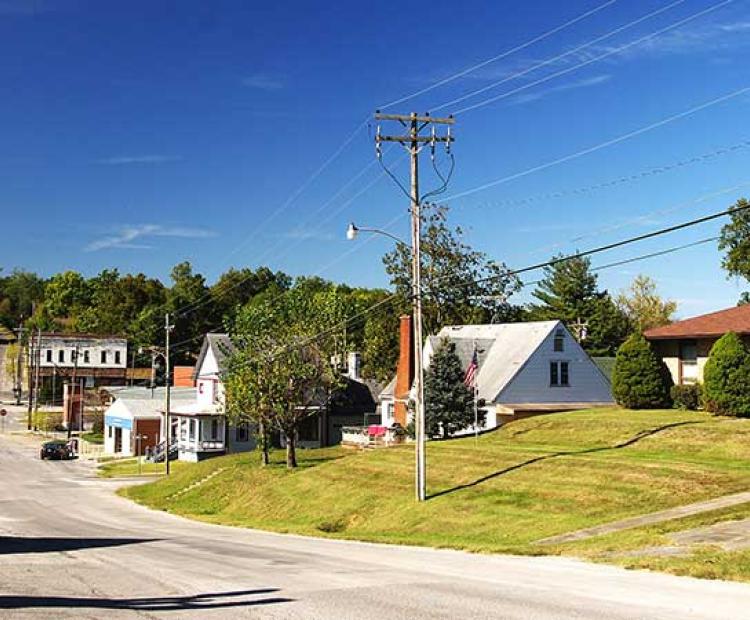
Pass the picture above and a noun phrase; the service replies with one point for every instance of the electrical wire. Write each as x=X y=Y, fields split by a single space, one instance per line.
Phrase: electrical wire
x=601 y=145
x=553 y=262
x=649 y=172
x=555 y=59
x=607 y=54
x=643 y=218
x=614 y=245
x=500 y=56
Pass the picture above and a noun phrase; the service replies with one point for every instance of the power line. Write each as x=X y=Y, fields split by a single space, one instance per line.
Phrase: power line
x=500 y=56
x=554 y=59
x=601 y=145
x=645 y=216
x=585 y=63
x=614 y=245
x=637 y=176
x=636 y=259
x=556 y=261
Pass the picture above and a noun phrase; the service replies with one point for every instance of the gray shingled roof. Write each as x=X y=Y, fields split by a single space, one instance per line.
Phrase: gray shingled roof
x=220 y=345
x=502 y=349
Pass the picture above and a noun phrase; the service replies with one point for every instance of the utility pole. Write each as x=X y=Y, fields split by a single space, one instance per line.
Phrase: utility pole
x=167 y=329
x=18 y=383
x=38 y=359
x=30 y=369
x=413 y=142
x=71 y=400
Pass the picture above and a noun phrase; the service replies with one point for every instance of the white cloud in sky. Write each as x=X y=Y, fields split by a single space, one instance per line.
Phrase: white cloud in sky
x=126 y=237
x=540 y=94
x=263 y=81
x=138 y=159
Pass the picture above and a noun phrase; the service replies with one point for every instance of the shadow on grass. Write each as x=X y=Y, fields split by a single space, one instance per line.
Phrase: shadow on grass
x=14 y=544
x=624 y=444
x=197 y=602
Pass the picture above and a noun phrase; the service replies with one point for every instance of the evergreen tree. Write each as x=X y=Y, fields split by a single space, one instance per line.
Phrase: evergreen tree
x=569 y=292
x=640 y=380
x=726 y=377
x=449 y=403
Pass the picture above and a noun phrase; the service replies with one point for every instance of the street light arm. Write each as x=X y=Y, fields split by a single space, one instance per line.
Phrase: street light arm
x=354 y=230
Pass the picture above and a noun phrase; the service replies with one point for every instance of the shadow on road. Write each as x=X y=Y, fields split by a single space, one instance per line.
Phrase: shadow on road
x=212 y=600
x=13 y=544
x=554 y=455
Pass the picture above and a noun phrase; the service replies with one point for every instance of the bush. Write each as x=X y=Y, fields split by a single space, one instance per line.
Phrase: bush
x=726 y=377
x=97 y=422
x=47 y=421
x=640 y=380
x=686 y=396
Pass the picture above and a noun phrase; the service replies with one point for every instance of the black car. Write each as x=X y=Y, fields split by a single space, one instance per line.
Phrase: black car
x=57 y=449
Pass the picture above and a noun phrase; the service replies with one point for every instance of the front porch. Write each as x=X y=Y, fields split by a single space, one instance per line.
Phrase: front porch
x=198 y=434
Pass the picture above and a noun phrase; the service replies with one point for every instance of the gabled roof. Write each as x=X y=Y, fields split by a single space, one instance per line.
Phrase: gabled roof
x=502 y=350
x=715 y=324
x=220 y=346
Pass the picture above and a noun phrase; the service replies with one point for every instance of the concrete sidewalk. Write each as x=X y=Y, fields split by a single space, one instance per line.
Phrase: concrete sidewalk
x=649 y=519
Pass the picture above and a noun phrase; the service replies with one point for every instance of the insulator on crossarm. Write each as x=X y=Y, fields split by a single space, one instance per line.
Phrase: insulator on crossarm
x=432 y=144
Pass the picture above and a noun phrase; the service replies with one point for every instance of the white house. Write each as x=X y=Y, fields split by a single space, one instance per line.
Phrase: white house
x=200 y=428
x=524 y=369
x=133 y=421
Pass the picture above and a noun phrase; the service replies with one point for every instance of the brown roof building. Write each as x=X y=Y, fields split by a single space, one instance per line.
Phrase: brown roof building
x=685 y=345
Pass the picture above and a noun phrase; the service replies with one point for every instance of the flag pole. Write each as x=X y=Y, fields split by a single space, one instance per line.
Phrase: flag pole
x=476 y=391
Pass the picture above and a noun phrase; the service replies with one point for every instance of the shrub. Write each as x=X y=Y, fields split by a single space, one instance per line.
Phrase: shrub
x=640 y=380
x=686 y=396
x=97 y=421
x=726 y=377
x=47 y=420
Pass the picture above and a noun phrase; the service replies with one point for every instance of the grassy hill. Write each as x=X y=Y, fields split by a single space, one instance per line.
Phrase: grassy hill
x=529 y=480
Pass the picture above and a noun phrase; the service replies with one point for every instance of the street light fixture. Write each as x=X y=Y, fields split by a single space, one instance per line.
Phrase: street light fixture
x=419 y=410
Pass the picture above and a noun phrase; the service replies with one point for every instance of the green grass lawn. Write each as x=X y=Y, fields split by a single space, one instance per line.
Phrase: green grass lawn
x=115 y=468
x=97 y=438
x=529 y=480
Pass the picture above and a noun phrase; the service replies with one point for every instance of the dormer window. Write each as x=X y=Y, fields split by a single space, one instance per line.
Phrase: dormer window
x=559 y=342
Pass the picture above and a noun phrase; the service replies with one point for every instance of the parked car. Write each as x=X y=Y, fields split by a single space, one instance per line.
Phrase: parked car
x=57 y=450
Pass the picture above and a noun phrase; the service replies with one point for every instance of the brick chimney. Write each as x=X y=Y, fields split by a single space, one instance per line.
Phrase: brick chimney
x=404 y=370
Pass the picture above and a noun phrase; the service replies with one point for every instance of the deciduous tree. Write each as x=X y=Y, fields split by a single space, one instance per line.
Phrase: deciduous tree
x=460 y=284
x=643 y=306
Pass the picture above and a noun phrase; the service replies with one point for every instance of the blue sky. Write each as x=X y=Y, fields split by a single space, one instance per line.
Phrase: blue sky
x=139 y=134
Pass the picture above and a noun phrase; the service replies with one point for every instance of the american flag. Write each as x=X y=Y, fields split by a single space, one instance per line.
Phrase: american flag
x=471 y=371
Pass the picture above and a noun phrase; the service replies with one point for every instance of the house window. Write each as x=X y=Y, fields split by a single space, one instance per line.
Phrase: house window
x=214 y=429
x=564 y=374
x=559 y=374
x=191 y=433
x=49 y=355
x=242 y=432
x=103 y=357
x=559 y=343
x=109 y=432
x=61 y=356
x=117 y=357
x=86 y=357
x=688 y=361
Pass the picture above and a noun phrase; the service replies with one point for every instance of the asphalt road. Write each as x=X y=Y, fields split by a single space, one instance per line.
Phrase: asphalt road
x=71 y=548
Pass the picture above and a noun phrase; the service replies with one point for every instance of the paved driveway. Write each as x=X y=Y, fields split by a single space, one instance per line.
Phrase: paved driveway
x=71 y=548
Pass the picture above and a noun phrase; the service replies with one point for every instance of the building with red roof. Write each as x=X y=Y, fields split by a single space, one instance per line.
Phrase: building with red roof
x=685 y=345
